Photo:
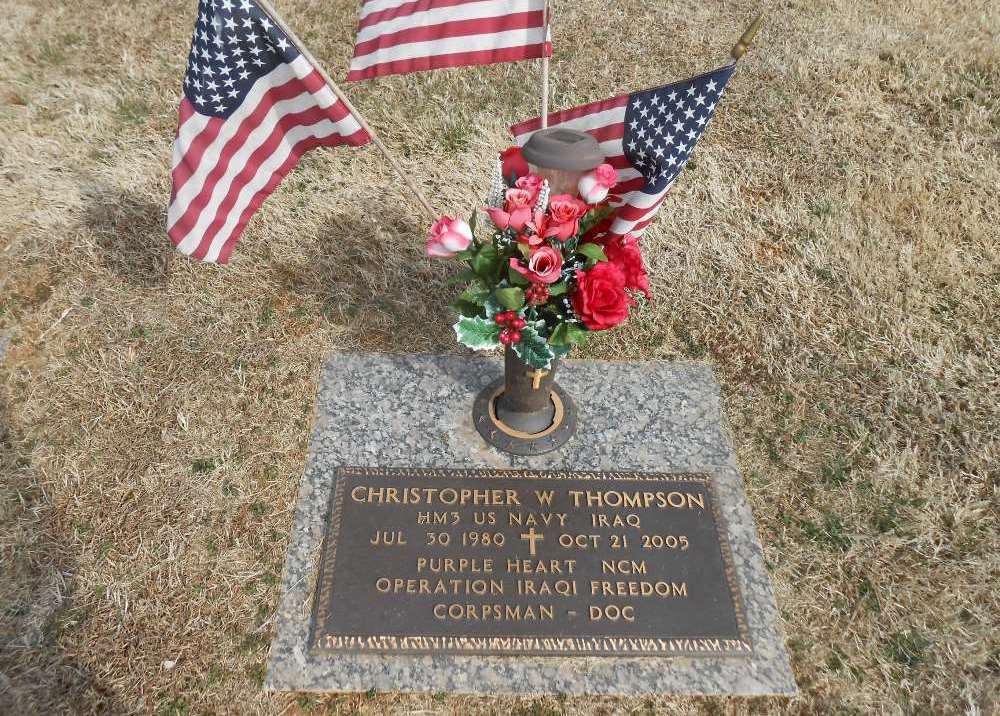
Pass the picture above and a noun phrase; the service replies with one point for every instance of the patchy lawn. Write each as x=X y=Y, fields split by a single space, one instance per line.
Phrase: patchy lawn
x=833 y=251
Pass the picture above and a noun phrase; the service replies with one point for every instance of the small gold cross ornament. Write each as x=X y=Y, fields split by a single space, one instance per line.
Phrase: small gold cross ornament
x=536 y=377
x=531 y=537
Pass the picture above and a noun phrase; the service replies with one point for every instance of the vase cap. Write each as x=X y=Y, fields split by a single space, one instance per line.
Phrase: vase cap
x=561 y=148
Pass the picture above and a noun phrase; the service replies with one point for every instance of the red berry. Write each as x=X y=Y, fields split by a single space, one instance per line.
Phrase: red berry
x=499 y=318
x=510 y=316
x=505 y=338
x=515 y=337
x=537 y=294
x=517 y=324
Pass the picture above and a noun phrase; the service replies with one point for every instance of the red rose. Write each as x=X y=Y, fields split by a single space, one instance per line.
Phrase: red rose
x=599 y=298
x=564 y=212
x=625 y=254
x=514 y=165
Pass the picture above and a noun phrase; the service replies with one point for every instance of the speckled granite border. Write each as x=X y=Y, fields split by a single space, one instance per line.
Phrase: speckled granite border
x=387 y=410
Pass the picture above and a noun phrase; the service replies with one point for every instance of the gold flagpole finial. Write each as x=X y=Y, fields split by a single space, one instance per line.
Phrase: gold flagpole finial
x=740 y=48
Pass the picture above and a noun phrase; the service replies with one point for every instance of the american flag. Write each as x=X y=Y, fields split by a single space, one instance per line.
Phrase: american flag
x=647 y=136
x=397 y=36
x=252 y=106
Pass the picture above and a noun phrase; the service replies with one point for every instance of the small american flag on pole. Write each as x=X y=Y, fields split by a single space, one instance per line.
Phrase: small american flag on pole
x=647 y=137
x=398 y=36
x=252 y=105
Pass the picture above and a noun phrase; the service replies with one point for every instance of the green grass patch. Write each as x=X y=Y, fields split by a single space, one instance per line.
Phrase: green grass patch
x=692 y=347
x=202 y=465
x=909 y=648
x=132 y=110
x=173 y=707
x=836 y=472
x=831 y=532
x=455 y=138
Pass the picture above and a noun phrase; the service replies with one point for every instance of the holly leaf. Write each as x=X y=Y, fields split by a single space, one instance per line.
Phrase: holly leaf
x=477 y=333
x=533 y=349
x=557 y=289
x=594 y=252
x=511 y=298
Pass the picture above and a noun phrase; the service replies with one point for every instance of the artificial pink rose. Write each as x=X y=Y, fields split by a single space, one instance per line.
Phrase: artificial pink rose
x=516 y=212
x=537 y=227
x=531 y=183
x=624 y=253
x=564 y=216
x=594 y=185
x=606 y=175
x=544 y=266
x=518 y=199
x=530 y=238
x=514 y=164
x=515 y=220
x=448 y=237
x=599 y=298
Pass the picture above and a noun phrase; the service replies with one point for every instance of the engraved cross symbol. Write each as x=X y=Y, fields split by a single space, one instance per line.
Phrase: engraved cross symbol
x=536 y=378
x=531 y=537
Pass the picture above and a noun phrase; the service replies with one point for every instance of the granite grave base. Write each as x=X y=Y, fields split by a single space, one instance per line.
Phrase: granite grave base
x=380 y=410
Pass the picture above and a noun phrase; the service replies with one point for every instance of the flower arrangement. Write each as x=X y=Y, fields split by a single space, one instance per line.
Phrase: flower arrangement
x=547 y=274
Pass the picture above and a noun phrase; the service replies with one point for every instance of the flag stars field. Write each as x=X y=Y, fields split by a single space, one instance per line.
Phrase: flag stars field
x=249 y=111
x=647 y=159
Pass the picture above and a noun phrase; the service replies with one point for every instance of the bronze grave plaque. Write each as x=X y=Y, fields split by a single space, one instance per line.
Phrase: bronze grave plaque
x=522 y=562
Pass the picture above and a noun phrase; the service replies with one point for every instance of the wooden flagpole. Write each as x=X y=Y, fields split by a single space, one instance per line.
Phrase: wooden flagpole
x=545 y=65
x=283 y=26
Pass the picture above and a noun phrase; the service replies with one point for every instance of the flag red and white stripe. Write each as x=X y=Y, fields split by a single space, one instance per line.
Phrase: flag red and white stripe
x=398 y=36
x=236 y=140
x=224 y=169
x=647 y=136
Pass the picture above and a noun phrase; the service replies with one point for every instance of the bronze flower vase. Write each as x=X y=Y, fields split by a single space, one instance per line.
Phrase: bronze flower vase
x=525 y=412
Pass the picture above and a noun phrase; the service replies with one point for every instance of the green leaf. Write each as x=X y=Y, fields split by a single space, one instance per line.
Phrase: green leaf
x=592 y=251
x=568 y=334
x=593 y=217
x=477 y=293
x=477 y=333
x=525 y=250
x=557 y=289
x=461 y=277
x=516 y=277
x=473 y=220
x=511 y=298
x=561 y=351
x=486 y=261
x=533 y=349
x=492 y=307
x=466 y=308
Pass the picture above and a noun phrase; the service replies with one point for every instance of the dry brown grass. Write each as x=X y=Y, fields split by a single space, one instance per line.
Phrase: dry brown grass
x=833 y=251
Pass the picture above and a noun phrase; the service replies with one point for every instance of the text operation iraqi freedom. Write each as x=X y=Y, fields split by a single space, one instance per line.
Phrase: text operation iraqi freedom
x=486 y=498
